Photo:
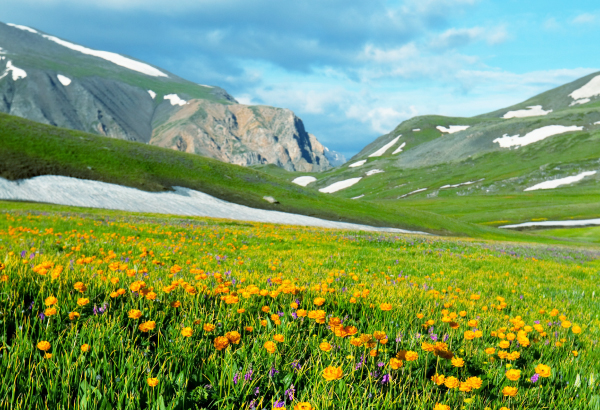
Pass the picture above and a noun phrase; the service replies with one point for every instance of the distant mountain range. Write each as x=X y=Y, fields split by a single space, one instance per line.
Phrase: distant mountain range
x=57 y=82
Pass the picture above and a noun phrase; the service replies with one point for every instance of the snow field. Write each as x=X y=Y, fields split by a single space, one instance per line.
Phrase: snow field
x=561 y=181
x=63 y=80
x=591 y=89
x=304 y=181
x=534 y=136
x=399 y=149
x=576 y=222
x=452 y=128
x=175 y=100
x=533 y=111
x=152 y=94
x=461 y=184
x=383 y=149
x=413 y=192
x=357 y=164
x=374 y=171
x=183 y=201
x=17 y=73
x=338 y=186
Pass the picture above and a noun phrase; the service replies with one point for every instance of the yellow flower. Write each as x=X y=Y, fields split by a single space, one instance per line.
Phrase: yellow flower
x=510 y=391
x=134 y=314
x=147 y=326
x=221 y=342
x=504 y=344
x=438 y=379
x=85 y=347
x=270 y=347
x=451 y=382
x=187 y=332
x=411 y=356
x=490 y=350
x=73 y=315
x=266 y=309
x=303 y=406
x=566 y=324
x=385 y=307
x=439 y=406
x=83 y=301
x=457 y=362
x=233 y=337
x=47 y=355
x=395 y=363
x=474 y=382
x=332 y=373
x=44 y=346
x=576 y=329
x=249 y=329
x=176 y=304
x=325 y=346
x=208 y=327
x=543 y=370
x=79 y=286
x=319 y=301
x=513 y=374
x=50 y=300
x=152 y=381
x=50 y=311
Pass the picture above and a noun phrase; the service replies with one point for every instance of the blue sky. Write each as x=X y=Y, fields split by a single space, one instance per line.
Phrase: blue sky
x=352 y=70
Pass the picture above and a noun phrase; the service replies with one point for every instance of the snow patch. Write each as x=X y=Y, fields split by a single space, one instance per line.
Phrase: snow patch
x=183 y=201
x=461 y=184
x=337 y=186
x=534 y=136
x=207 y=86
x=591 y=89
x=304 y=181
x=452 y=128
x=17 y=73
x=561 y=181
x=399 y=149
x=357 y=164
x=112 y=57
x=417 y=130
x=597 y=123
x=152 y=94
x=533 y=111
x=24 y=28
x=383 y=149
x=2 y=51
x=64 y=80
x=577 y=222
x=374 y=171
x=413 y=192
x=582 y=101
x=358 y=197
x=175 y=100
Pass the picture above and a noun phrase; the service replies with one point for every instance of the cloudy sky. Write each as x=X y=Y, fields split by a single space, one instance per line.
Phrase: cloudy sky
x=352 y=70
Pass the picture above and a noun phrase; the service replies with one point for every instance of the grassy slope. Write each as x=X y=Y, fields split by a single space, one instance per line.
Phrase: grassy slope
x=29 y=149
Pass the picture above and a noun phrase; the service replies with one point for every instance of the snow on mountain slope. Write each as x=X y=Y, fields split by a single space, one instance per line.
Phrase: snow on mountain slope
x=383 y=149
x=336 y=186
x=591 y=89
x=534 y=136
x=452 y=128
x=533 y=111
x=17 y=73
x=561 y=181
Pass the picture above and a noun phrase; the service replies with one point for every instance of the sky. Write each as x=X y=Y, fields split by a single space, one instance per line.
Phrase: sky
x=351 y=70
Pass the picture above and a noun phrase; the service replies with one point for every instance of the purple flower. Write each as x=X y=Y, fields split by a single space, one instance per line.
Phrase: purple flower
x=290 y=392
x=296 y=366
x=380 y=364
x=32 y=256
x=433 y=337
x=257 y=391
x=280 y=314
x=42 y=316
x=386 y=379
x=273 y=371
x=535 y=378
x=446 y=336
x=236 y=377
x=248 y=375
x=279 y=404
x=23 y=254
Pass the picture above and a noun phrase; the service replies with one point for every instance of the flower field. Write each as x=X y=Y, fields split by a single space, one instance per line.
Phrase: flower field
x=101 y=312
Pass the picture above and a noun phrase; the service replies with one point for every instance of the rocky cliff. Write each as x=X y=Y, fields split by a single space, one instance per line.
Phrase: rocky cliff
x=53 y=81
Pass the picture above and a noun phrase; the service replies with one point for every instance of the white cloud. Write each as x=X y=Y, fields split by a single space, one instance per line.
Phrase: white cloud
x=585 y=18
x=551 y=24
x=381 y=119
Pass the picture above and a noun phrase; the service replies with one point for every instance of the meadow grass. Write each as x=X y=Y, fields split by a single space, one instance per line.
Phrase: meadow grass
x=117 y=310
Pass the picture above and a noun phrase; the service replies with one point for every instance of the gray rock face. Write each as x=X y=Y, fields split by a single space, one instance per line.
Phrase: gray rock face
x=101 y=97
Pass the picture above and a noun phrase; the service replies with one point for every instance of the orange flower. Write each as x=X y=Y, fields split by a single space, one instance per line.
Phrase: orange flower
x=152 y=381
x=270 y=347
x=411 y=356
x=134 y=314
x=395 y=363
x=208 y=327
x=457 y=362
x=385 y=307
x=73 y=315
x=83 y=301
x=490 y=350
x=474 y=382
x=438 y=379
x=303 y=406
x=187 y=332
x=543 y=370
x=50 y=300
x=332 y=373
x=451 y=382
x=439 y=406
x=266 y=309
x=233 y=337
x=513 y=374
x=301 y=313
x=85 y=347
x=221 y=342
x=510 y=391
x=44 y=346
x=176 y=304
x=50 y=311
x=576 y=329
x=319 y=301
x=147 y=326
x=249 y=329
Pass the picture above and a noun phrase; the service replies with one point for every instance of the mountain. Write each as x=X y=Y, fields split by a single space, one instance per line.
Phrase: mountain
x=57 y=82
x=533 y=161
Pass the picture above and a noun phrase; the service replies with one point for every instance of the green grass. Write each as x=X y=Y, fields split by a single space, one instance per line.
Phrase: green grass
x=587 y=234
x=183 y=275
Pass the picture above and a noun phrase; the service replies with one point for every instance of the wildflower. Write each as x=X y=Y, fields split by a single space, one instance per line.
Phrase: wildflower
x=504 y=344
x=513 y=374
x=474 y=382
x=134 y=314
x=510 y=391
x=566 y=324
x=301 y=313
x=83 y=301
x=249 y=329
x=85 y=347
x=543 y=370
x=50 y=300
x=43 y=346
x=379 y=335
x=270 y=347
x=385 y=307
x=303 y=406
x=319 y=301
x=411 y=356
x=332 y=373
x=208 y=327
x=265 y=309
x=535 y=378
x=79 y=286
x=325 y=346
x=233 y=337
x=152 y=381
x=50 y=311
x=439 y=406
x=47 y=355
x=490 y=350
x=576 y=329
x=221 y=342
x=176 y=304
x=73 y=315
x=147 y=326
x=451 y=382
x=187 y=332
x=395 y=363
x=438 y=379
x=457 y=362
